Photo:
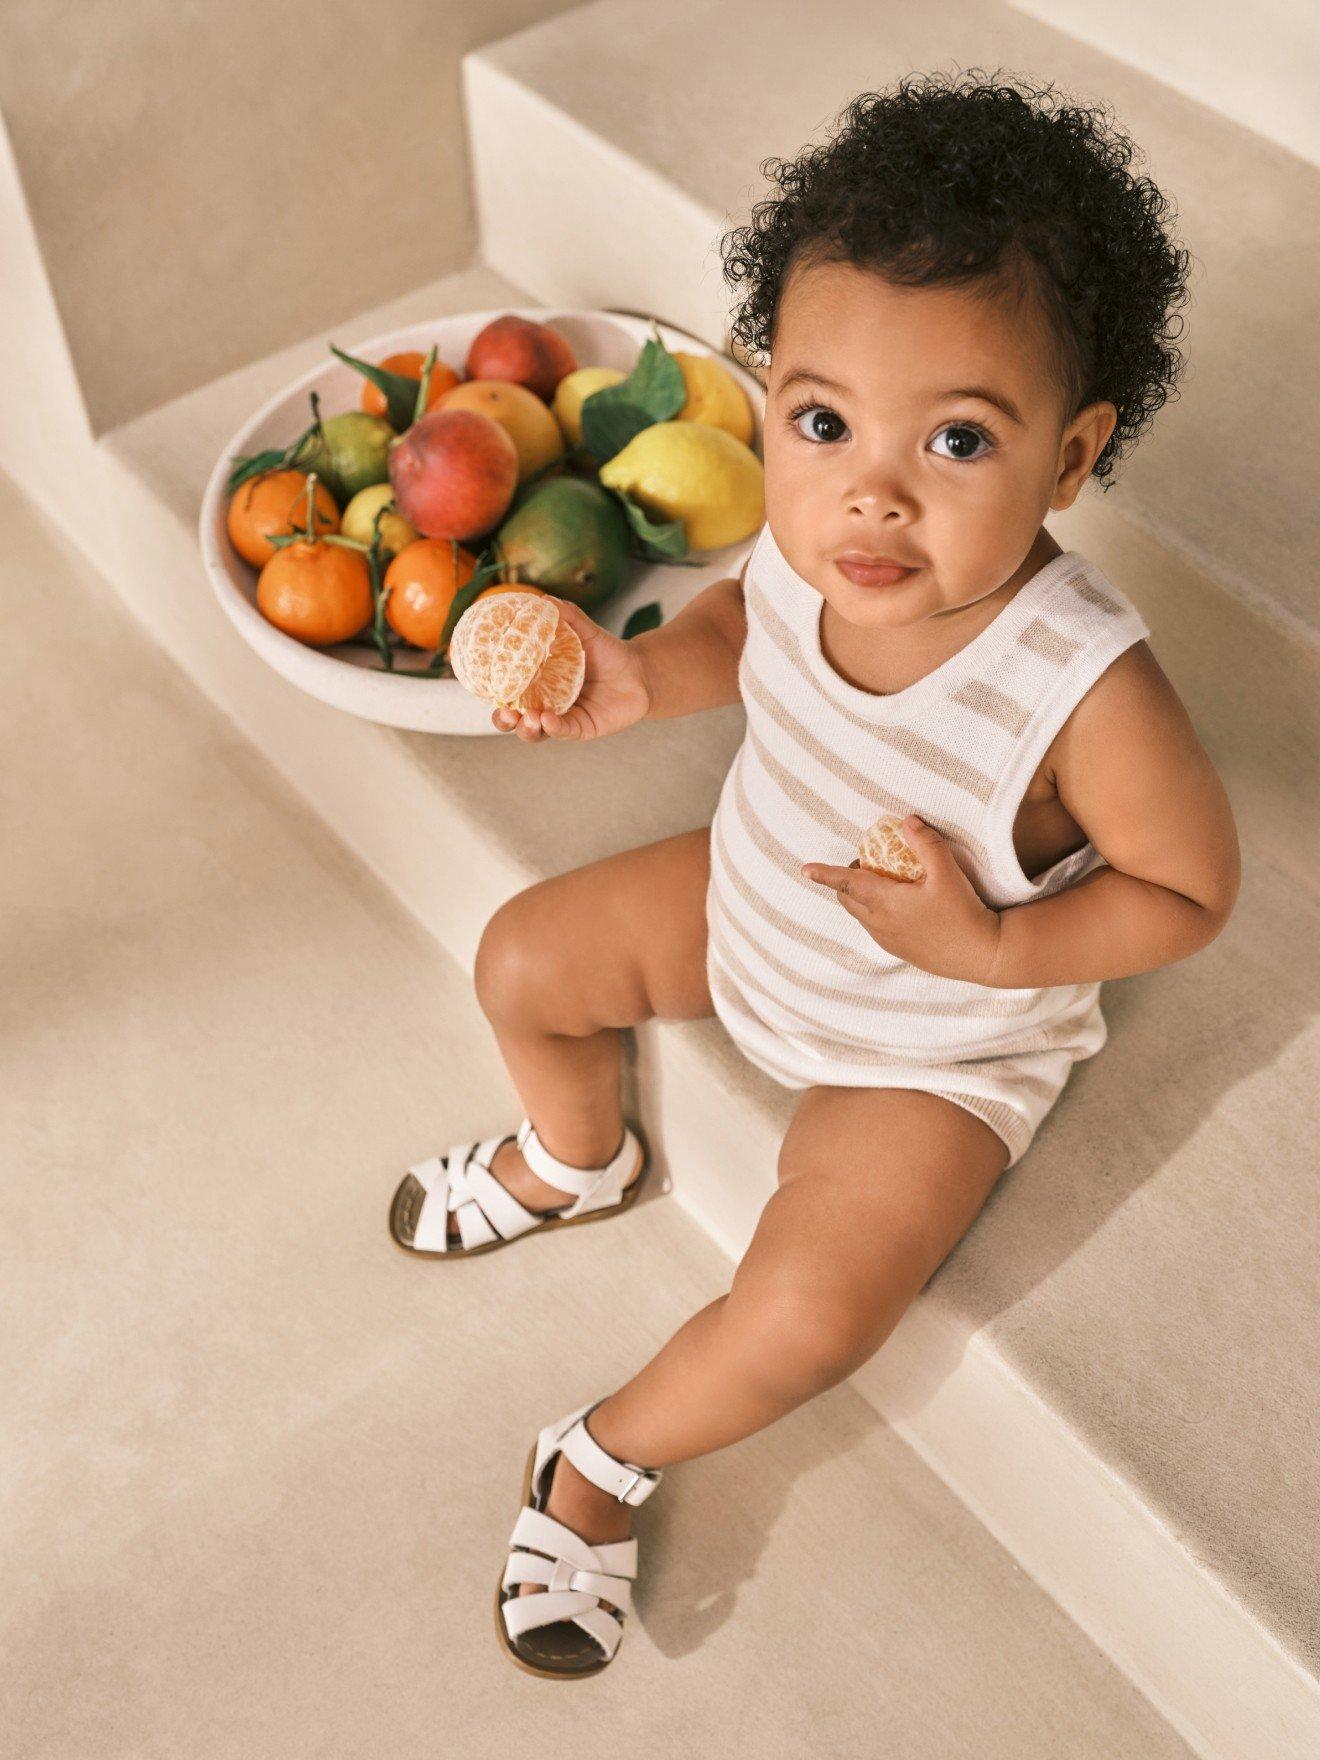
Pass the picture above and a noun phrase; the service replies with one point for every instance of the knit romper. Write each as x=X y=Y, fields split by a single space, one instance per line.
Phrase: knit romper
x=802 y=989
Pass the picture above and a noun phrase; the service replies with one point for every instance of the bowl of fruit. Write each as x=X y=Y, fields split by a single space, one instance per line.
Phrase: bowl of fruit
x=592 y=456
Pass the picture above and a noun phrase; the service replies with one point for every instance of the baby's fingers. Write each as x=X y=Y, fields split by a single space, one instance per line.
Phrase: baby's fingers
x=536 y=724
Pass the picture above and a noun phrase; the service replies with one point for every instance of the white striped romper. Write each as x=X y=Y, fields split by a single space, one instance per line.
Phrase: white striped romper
x=804 y=992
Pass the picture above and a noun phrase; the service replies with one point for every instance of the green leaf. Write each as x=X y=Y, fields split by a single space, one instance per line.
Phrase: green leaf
x=645 y=617
x=656 y=541
x=653 y=392
x=400 y=393
x=254 y=466
x=380 y=632
x=423 y=386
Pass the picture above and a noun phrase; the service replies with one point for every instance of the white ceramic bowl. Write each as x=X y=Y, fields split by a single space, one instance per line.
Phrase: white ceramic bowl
x=352 y=678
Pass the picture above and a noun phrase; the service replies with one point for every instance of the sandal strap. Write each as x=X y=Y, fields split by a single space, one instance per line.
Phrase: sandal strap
x=621 y=1479
x=576 y=1576
x=523 y=1612
x=556 y=1574
x=541 y=1532
x=594 y=1187
x=461 y=1184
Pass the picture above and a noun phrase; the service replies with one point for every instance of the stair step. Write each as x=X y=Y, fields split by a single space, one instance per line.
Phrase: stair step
x=267 y=1461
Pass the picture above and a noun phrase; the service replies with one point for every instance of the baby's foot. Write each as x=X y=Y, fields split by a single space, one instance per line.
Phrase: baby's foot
x=587 y=1510
x=508 y=1166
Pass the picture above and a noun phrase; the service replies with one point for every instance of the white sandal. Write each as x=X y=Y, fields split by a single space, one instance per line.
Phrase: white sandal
x=488 y=1214
x=561 y=1632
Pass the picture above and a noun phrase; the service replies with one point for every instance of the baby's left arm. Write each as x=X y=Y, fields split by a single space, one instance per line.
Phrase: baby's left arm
x=1131 y=771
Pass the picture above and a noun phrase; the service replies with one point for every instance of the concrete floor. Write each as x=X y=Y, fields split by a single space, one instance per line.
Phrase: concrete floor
x=258 y=1468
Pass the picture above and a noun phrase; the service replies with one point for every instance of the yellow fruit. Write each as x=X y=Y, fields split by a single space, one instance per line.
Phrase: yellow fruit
x=520 y=412
x=395 y=532
x=514 y=650
x=572 y=392
x=696 y=473
x=885 y=852
x=714 y=396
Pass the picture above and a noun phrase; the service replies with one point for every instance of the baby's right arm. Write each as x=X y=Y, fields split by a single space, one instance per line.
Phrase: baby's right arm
x=691 y=662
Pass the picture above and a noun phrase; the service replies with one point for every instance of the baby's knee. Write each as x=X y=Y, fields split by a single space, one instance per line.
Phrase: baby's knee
x=510 y=959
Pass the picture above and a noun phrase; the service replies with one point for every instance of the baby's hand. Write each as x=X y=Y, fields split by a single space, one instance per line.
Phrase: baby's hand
x=940 y=923
x=613 y=695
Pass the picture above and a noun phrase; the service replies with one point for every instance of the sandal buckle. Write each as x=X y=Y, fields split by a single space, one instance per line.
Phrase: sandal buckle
x=636 y=1479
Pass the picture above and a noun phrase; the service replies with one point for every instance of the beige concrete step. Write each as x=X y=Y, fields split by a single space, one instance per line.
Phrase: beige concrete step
x=260 y=1467
x=1163 y=1204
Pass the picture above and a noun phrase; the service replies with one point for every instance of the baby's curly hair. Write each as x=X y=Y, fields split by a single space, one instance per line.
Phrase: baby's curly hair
x=970 y=181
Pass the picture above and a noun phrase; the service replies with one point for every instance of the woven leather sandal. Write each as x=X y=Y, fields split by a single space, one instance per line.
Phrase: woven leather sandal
x=563 y=1633
x=488 y=1214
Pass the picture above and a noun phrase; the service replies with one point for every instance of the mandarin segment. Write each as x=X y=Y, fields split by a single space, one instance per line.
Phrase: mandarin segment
x=884 y=851
x=514 y=650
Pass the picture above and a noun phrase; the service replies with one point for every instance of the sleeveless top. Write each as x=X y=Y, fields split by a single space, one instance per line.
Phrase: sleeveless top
x=797 y=981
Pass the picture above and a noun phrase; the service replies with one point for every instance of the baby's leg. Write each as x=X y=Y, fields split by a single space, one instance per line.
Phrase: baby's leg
x=560 y=968
x=877 y=1186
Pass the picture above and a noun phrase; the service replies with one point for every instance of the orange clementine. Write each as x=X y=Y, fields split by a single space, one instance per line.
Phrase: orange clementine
x=319 y=593
x=518 y=652
x=885 y=851
x=408 y=365
x=508 y=587
x=422 y=580
x=272 y=505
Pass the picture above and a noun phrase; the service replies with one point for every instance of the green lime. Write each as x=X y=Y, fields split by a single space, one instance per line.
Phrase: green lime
x=351 y=453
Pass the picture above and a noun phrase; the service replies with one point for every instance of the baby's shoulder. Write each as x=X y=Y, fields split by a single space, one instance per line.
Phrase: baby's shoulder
x=1129 y=708
x=1132 y=772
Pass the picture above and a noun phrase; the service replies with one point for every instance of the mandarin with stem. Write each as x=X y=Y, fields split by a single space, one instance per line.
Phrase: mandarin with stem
x=408 y=365
x=272 y=505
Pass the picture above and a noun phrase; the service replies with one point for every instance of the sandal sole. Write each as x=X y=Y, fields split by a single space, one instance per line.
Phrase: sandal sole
x=629 y=1197
x=545 y=1674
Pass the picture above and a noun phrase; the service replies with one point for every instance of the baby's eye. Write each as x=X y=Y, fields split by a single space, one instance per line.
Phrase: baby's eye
x=829 y=414
x=825 y=417
x=964 y=428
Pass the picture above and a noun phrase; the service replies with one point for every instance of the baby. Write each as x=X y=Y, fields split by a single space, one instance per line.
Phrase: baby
x=964 y=300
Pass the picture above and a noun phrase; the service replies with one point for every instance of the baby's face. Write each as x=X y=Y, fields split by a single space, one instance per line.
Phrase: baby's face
x=895 y=458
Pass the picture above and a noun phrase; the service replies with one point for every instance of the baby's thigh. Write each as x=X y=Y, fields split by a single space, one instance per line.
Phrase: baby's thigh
x=606 y=945
x=882 y=1183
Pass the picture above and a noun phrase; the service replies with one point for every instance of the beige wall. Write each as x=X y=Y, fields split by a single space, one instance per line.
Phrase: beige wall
x=1258 y=63
x=209 y=180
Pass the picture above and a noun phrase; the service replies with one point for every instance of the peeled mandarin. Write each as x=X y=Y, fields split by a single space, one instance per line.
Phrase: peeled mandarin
x=884 y=851
x=516 y=651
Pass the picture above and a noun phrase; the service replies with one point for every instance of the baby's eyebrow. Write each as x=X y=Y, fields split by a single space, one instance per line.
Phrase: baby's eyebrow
x=1000 y=399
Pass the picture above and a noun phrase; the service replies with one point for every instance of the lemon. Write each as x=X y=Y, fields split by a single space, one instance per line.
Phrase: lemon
x=694 y=472
x=572 y=392
x=395 y=532
x=714 y=396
